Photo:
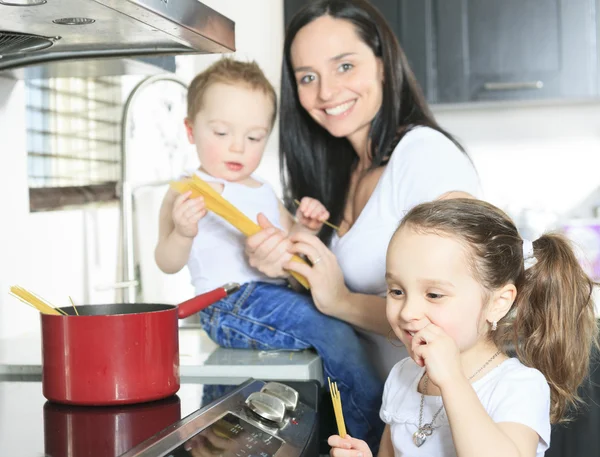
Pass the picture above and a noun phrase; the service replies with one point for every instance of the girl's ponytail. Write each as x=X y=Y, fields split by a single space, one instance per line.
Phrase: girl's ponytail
x=554 y=324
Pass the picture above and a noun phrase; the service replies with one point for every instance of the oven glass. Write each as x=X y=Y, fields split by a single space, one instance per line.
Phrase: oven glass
x=229 y=436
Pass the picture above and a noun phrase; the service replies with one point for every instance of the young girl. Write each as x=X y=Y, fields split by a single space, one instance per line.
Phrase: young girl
x=464 y=290
x=231 y=110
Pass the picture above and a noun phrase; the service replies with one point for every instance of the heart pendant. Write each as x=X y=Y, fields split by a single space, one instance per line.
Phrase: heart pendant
x=419 y=438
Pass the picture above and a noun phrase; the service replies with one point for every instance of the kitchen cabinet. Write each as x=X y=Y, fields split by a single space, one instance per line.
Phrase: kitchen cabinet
x=485 y=50
x=514 y=49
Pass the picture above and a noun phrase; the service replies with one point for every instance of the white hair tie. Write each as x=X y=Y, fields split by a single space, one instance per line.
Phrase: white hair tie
x=529 y=259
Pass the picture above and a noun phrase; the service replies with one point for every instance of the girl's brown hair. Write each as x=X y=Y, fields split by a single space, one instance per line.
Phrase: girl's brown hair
x=552 y=324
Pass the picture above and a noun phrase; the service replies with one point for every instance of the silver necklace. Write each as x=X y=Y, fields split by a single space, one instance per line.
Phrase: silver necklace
x=426 y=430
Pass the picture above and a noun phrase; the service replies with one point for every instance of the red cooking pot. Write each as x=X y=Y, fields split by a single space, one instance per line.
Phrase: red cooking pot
x=116 y=354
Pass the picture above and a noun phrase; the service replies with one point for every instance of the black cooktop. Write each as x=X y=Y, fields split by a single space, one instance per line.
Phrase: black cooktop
x=30 y=426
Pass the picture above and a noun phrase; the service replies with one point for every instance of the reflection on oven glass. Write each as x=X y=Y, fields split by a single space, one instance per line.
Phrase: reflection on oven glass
x=229 y=436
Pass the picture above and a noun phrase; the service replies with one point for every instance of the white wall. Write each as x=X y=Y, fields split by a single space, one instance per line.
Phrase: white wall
x=14 y=254
x=538 y=161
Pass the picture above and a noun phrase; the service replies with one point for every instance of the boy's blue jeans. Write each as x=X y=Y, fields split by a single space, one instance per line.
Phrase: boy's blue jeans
x=267 y=316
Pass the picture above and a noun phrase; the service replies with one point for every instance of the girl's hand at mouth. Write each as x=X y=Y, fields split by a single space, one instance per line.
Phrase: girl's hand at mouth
x=433 y=349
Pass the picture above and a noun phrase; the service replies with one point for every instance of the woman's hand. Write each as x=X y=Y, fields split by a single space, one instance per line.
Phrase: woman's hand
x=348 y=447
x=186 y=214
x=438 y=352
x=325 y=276
x=268 y=250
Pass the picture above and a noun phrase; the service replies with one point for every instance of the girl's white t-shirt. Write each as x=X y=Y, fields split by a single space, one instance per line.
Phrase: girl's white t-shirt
x=511 y=392
x=424 y=165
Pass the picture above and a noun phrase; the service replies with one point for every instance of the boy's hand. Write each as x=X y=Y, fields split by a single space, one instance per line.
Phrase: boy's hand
x=186 y=214
x=311 y=213
x=348 y=447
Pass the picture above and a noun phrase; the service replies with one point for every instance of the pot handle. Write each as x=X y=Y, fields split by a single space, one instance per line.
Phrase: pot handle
x=198 y=303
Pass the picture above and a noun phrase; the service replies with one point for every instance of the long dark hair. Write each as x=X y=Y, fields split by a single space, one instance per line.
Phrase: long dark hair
x=316 y=164
x=552 y=323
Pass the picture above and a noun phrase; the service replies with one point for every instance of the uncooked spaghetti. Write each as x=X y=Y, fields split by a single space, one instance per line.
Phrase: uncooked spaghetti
x=336 y=399
x=217 y=204
x=35 y=301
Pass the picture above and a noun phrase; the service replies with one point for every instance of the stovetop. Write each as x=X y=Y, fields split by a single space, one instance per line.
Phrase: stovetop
x=30 y=426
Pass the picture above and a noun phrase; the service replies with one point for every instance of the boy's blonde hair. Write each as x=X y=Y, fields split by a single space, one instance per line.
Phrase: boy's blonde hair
x=229 y=71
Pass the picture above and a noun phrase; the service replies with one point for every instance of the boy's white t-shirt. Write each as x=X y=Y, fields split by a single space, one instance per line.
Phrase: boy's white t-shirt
x=424 y=165
x=218 y=253
x=511 y=392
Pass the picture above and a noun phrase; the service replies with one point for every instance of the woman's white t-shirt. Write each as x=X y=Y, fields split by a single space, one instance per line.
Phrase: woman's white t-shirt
x=511 y=392
x=424 y=165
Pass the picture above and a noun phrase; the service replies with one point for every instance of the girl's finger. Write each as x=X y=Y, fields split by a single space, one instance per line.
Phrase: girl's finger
x=340 y=452
x=337 y=441
x=419 y=353
x=426 y=335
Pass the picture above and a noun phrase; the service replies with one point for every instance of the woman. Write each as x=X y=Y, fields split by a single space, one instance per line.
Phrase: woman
x=356 y=134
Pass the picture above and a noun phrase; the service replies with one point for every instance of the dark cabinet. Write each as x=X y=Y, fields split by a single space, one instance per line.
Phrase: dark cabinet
x=474 y=50
x=513 y=49
x=580 y=437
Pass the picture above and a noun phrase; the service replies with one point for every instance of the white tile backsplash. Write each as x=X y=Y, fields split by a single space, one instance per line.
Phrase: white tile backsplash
x=538 y=162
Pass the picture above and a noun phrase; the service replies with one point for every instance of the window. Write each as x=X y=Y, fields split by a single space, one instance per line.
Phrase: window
x=73 y=140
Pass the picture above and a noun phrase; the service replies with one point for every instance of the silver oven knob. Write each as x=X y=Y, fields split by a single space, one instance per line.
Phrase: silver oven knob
x=266 y=406
x=286 y=394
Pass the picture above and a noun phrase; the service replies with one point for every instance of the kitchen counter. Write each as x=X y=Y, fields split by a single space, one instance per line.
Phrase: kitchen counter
x=199 y=357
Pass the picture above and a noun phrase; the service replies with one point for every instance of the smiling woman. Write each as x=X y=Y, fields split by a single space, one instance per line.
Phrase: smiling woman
x=357 y=135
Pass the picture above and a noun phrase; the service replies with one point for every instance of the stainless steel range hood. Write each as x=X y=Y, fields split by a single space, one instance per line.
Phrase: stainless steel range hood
x=54 y=38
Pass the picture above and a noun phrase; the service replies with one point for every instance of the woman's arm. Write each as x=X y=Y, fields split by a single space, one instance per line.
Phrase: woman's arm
x=329 y=291
x=363 y=311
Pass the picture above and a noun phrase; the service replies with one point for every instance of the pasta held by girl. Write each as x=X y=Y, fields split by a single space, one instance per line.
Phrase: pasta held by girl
x=464 y=291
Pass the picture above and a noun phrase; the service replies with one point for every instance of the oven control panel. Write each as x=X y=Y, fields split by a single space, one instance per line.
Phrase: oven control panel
x=258 y=419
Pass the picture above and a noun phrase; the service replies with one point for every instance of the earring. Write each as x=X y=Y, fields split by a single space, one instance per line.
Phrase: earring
x=494 y=326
